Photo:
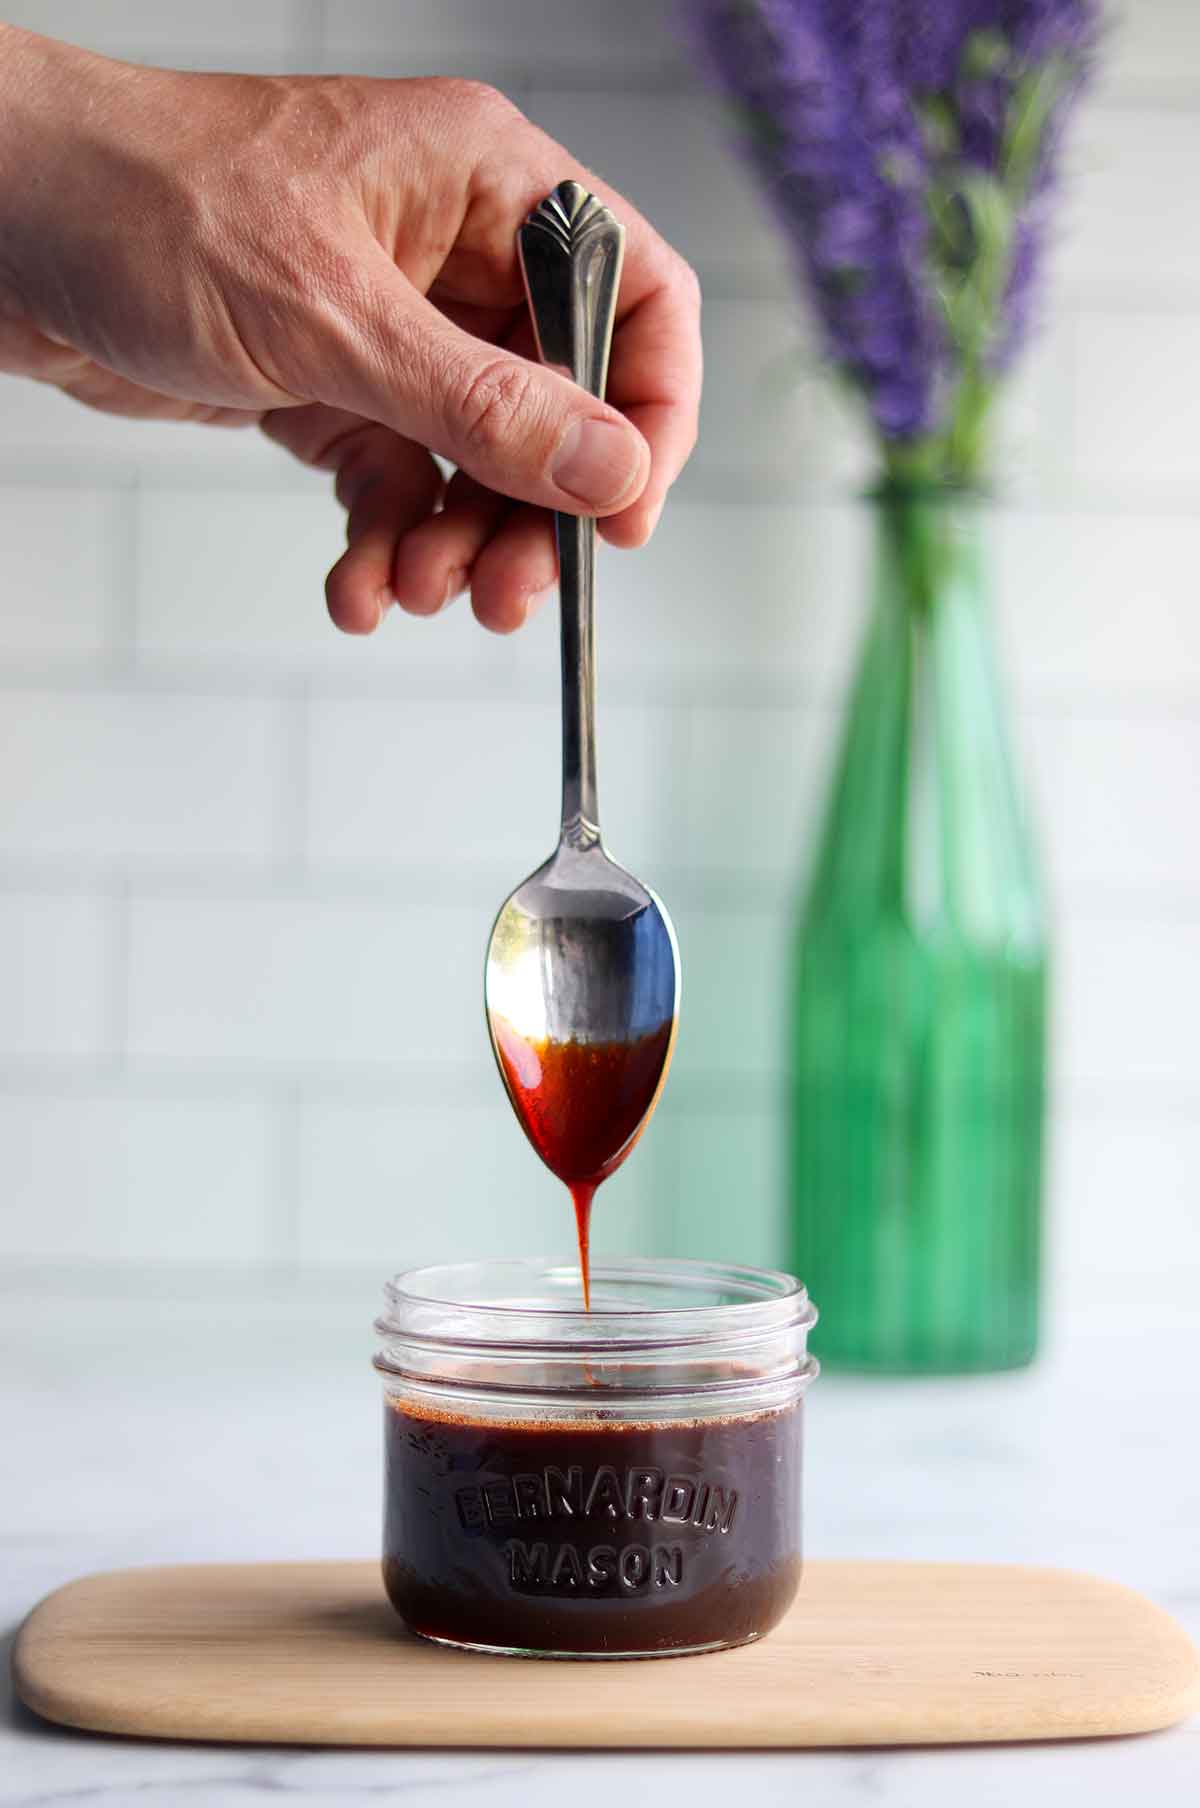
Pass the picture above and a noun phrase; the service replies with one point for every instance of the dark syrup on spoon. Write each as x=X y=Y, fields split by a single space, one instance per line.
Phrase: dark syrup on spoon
x=583 y=1105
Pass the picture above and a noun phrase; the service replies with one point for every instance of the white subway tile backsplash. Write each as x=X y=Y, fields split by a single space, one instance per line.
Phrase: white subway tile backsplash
x=55 y=957
x=643 y=785
x=768 y=414
x=1126 y=993
x=120 y=773
x=238 y=578
x=59 y=590
x=669 y=155
x=753 y=595
x=450 y=649
x=459 y=37
x=734 y=994
x=1033 y=420
x=467 y=783
x=1120 y=793
x=236 y=575
x=1127 y=229
x=294 y=980
x=41 y=428
x=631 y=1213
x=1135 y=407
x=1124 y=1230
x=1127 y=1001
x=757 y=779
x=475 y=784
x=730 y=1202
x=115 y=1177
x=1095 y=603
x=266 y=791
x=130 y=27
x=1091 y=605
x=398 y=1184
x=1152 y=50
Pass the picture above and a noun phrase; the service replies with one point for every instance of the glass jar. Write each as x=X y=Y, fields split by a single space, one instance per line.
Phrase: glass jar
x=623 y=1482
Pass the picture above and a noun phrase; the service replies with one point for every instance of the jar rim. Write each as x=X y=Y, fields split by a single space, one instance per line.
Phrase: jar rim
x=514 y=1298
x=511 y=1329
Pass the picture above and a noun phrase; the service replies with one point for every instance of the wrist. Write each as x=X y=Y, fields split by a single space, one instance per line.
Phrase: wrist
x=49 y=118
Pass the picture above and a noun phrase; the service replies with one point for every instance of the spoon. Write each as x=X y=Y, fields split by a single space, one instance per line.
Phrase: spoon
x=581 y=984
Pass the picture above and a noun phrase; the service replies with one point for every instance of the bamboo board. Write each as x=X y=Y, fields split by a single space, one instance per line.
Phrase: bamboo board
x=872 y=1654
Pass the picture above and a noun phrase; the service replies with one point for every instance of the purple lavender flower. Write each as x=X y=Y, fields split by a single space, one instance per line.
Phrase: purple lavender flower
x=907 y=147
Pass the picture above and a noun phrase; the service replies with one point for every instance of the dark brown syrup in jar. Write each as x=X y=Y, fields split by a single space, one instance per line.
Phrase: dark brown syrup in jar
x=592 y=1537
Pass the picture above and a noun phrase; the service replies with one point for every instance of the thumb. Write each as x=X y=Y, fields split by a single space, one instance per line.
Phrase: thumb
x=513 y=425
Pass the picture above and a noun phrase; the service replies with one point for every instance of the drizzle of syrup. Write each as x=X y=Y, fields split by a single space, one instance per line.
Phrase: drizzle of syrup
x=582 y=1105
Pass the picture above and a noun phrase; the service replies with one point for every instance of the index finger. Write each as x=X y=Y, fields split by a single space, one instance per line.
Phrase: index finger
x=654 y=378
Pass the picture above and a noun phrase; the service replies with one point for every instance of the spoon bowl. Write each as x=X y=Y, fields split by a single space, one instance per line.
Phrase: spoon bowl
x=582 y=995
x=584 y=954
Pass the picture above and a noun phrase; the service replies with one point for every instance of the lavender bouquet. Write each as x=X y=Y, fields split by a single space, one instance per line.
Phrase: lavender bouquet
x=909 y=149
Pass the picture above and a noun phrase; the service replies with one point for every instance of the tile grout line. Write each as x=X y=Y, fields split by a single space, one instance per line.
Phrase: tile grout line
x=704 y=483
x=118 y=977
x=124 y=610
x=720 y=891
x=291 y=827
x=665 y=66
x=307 y=30
x=355 y=1086
x=749 y=689
x=283 y=1219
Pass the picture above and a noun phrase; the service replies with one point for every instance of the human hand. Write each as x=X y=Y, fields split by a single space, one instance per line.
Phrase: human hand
x=334 y=258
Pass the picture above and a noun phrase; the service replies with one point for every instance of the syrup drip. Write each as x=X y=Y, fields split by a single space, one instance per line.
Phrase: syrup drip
x=582 y=1105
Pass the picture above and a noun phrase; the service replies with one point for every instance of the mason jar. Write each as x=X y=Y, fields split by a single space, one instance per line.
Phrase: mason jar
x=619 y=1482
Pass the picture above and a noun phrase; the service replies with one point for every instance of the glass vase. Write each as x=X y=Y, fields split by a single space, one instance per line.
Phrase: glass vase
x=918 y=1011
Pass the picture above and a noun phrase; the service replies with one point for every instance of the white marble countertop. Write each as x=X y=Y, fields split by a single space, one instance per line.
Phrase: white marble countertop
x=141 y=1433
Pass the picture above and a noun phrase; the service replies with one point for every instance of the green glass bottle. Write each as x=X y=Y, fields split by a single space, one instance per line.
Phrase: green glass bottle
x=918 y=1026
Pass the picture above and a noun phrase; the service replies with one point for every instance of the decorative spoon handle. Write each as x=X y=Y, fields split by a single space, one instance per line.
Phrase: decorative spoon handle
x=571 y=250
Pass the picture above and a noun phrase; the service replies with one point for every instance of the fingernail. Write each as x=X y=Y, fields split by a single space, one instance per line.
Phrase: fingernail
x=597 y=462
x=383 y=601
x=653 y=520
x=456 y=582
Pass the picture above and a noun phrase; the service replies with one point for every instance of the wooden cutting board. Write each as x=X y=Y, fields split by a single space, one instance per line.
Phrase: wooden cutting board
x=872 y=1654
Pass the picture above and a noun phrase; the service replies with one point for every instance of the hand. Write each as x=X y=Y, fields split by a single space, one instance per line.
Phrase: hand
x=334 y=258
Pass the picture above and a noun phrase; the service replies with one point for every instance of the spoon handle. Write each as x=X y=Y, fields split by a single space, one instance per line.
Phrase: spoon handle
x=571 y=250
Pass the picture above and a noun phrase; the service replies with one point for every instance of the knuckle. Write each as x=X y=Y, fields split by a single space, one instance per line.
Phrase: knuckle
x=688 y=437
x=688 y=284
x=496 y=406
x=472 y=97
x=331 y=276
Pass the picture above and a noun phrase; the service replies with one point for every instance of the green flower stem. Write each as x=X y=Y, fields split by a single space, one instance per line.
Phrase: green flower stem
x=972 y=225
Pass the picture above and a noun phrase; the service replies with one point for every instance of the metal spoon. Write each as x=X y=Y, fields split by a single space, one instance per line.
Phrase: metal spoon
x=582 y=953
